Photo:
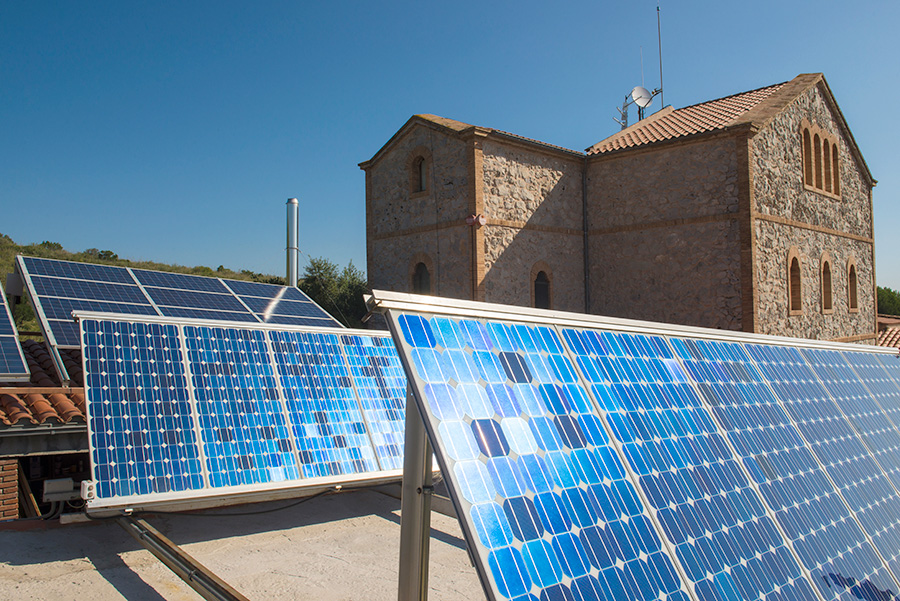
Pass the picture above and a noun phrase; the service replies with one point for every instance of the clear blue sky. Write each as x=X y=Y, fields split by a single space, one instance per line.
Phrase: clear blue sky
x=175 y=131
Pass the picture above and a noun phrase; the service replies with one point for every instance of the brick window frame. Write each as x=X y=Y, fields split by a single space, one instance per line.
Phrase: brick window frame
x=794 y=282
x=820 y=160
x=419 y=166
x=826 y=284
x=852 y=286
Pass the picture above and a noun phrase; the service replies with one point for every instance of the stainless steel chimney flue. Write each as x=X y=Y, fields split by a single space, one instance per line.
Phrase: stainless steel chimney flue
x=293 y=244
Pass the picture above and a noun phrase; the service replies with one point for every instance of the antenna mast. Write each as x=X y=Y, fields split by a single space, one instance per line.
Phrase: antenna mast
x=662 y=100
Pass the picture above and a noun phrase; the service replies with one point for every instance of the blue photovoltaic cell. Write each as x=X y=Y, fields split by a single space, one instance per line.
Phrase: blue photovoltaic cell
x=542 y=495
x=835 y=443
x=179 y=281
x=12 y=361
x=77 y=271
x=854 y=382
x=59 y=287
x=177 y=409
x=244 y=434
x=806 y=505
x=325 y=415
x=381 y=387
x=140 y=418
x=708 y=509
x=891 y=365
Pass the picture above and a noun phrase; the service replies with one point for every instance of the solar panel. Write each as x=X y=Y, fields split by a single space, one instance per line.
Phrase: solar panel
x=57 y=288
x=182 y=410
x=12 y=360
x=586 y=462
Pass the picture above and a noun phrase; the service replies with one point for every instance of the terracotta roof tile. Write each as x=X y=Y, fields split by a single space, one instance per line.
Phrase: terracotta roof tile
x=670 y=123
x=43 y=401
x=889 y=337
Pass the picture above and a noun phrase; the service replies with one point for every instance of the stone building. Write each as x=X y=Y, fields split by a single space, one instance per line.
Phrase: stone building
x=751 y=212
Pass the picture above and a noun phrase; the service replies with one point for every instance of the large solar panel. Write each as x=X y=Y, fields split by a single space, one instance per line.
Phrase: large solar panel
x=12 y=360
x=646 y=463
x=182 y=410
x=57 y=288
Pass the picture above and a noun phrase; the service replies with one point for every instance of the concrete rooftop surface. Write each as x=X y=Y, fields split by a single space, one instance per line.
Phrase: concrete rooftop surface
x=336 y=547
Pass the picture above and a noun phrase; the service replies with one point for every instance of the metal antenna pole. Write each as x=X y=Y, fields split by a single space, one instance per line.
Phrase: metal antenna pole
x=415 y=507
x=662 y=99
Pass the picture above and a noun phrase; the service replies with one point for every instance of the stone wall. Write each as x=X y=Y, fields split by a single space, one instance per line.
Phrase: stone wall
x=811 y=221
x=773 y=243
x=687 y=274
x=533 y=203
x=664 y=236
x=401 y=224
x=777 y=165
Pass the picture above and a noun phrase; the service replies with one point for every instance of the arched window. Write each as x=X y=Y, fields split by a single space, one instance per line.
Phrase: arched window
x=418 y=166
x=817 y=155
x=807 y=159
x=852 y=287
x=820 y=156
x=421 y=279
x=836 y=173
x=826 y=286
x=541 y=290
x=794 y=282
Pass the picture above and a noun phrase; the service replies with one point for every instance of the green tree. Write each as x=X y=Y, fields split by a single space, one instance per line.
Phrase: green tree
x=888 y=301
x=338 y=292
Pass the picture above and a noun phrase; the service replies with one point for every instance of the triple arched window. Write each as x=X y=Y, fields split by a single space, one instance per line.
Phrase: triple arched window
x=821 y=160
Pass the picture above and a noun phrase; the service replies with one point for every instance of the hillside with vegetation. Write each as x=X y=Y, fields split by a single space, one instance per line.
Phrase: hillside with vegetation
x=338 y=292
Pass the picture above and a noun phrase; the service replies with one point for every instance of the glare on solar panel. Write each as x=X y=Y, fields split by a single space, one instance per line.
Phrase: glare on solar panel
x=721 y=450
x=181 y=410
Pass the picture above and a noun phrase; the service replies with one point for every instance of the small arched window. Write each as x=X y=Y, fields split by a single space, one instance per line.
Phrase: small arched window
x=542 y=290
x=835 y=171
x=420 y=175
x=826 y=286
x=794 y=282
x=852 y=288
x=826 y=155
x=807 y=159
x=421 y=279
x=418 y=166
x=817 y=155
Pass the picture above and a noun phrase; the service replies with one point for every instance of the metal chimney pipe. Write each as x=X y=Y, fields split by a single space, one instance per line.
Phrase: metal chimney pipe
x=293 y=245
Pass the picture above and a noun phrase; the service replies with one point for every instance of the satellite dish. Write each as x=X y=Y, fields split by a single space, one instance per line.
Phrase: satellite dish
x=641 y=96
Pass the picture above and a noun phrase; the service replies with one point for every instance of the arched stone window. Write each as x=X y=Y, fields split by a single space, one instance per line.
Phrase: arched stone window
x=826 y=284
x=820 y=156
x=795 y=283
x=420 y=270
x=836 y=173
x=541 y=286
x=807 y=159
x=419 y=168
x=852 y=286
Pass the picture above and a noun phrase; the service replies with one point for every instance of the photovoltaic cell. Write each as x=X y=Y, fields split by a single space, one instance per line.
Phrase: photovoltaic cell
x=59 y=287
x=710 y=512
x=834 y=441
x=179 y=411
x=541 y=491
x=575 y=455
x=810 y=512
x=12 y=359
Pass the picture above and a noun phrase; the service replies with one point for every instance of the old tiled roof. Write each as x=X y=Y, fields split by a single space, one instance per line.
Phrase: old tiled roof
x=889 y=337
x=670 y=123
x=43 y=401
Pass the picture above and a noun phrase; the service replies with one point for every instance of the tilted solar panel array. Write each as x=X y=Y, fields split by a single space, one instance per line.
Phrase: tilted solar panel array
x=12 y=359
x=57 y=288
x=587 y=463
x=184 y=410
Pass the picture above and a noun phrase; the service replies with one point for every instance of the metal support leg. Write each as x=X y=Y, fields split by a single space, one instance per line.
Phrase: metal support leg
x=415 y=507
